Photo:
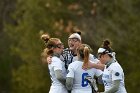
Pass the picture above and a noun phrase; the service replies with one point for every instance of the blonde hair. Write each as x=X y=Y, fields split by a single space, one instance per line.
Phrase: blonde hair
x=50 y=44
x=46 y=52
x=84 y=51
x=45 y=37
x=86 y=56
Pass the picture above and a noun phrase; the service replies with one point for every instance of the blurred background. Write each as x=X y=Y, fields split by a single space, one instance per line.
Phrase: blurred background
x=23 y=21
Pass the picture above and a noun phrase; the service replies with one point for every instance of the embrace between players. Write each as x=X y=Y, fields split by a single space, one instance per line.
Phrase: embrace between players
x=72 y=70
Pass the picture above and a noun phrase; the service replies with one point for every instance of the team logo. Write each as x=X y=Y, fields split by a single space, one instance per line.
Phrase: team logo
x=117 y=74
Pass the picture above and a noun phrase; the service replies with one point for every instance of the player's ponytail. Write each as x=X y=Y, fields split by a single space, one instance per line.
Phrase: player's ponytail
x=45 y=37
x=86 y=56
x=106 y=49
x=78 y=32
x=83 y=52
x=107 y=45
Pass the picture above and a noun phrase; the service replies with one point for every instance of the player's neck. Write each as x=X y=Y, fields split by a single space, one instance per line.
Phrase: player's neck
x=57 y=55
x=108 y=63
x=80 y=59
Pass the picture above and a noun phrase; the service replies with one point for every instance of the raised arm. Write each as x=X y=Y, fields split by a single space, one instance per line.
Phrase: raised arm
x=96 y=65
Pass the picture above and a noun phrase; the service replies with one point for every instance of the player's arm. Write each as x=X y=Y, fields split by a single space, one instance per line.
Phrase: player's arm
x=69 y=83
x=97 y=66
x=114 y=87
x=94 y=65
x=99 y=74
x=57 y=66
x=59 y=76
x=70 y=77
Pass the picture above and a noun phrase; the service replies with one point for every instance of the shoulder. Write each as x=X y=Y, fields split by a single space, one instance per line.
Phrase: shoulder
x=75 y=64
x=115 y=64
x=75 y=58
x=56 y=62
x=55 y=59
x=116 y=67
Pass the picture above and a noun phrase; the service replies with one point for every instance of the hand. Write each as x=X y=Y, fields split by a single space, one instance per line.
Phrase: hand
x=89 y=79
x=49 y=59
x=99 y=62
x=92 y=82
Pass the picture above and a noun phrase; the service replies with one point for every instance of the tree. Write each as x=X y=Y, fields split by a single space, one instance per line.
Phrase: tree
x=97 y=19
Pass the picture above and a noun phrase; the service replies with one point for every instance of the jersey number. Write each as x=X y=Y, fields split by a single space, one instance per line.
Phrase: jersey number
x=84 y=82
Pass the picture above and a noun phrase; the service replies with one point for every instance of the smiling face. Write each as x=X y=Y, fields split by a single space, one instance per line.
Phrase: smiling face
x=73 y=43
x=104 y=58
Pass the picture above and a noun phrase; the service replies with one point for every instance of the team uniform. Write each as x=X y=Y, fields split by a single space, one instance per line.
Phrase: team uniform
x=57 y=86
x=68 y=57
x=111 y=73
x=75 y=71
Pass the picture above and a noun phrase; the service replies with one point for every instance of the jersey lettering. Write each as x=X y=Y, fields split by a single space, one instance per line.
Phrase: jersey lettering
x=84 y=81
x=105 y=83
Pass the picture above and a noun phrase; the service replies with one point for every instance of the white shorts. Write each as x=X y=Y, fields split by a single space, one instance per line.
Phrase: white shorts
x=58 y=89
x=81 y=91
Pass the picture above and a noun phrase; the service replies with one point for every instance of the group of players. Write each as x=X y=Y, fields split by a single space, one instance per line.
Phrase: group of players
x=70 y=68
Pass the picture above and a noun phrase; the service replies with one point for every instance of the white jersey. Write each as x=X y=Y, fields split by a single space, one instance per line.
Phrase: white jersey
x=92 y=58
x=68 y=57
x=56 y=86
x=114 y=72
x=80 y=85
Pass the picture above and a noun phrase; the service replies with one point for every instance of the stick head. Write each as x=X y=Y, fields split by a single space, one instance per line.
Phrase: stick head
x=89 y=79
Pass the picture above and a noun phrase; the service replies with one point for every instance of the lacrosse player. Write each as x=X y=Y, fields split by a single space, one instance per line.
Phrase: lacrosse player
x=57 y=71
x=76 y=77
x=113 y=75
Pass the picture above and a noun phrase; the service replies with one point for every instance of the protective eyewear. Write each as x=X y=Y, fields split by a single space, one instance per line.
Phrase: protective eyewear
x=60 y=45
x=73 y=39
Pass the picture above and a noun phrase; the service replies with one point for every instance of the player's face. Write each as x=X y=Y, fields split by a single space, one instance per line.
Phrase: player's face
x=73 y=43
x=59 y=47
x=102 y=58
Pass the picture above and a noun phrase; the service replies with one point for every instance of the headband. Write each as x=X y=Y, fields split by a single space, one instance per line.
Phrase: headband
x=102 y=50
x=75 y=35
